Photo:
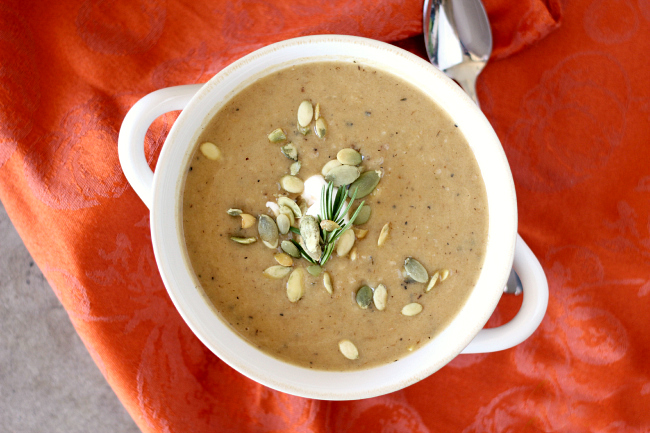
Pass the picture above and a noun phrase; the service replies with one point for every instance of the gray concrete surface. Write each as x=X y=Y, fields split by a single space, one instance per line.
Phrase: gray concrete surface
x=48 y=382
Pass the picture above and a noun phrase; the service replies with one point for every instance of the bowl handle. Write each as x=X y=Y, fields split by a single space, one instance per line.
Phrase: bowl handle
x=130 y=143
x=530 y=314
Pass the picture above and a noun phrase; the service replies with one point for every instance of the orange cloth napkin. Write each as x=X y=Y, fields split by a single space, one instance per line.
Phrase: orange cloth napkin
x=567 y=93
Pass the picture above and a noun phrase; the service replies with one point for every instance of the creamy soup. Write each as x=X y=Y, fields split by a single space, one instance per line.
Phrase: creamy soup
x=430 y=203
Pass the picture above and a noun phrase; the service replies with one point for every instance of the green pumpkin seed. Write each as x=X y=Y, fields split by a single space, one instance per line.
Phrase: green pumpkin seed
x=286 y=201
x=415 y=270
x=292 y=184
x=283 y=223
x=380 y=297
x=348 y=349
x=295 y=168
x=268 y=231
x=289 y=150
x=327 y=282
x=366 y=183
x=295 y=285
x=234 y=212
x=363 y=216
x=276 y=272
x=210 y=151
x=329 y=225
x=314 y=270
x=243 y=241
x=349 y=157
x=412 y=309
x=320 y=128
x=303 y=130
x=364 y=297
x=343 y=175
x=305 y=113
x=329 y=166
x=277 y=136
x=289 y=248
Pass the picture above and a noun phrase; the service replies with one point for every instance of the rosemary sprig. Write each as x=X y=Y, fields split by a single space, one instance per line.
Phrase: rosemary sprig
x=333 y=207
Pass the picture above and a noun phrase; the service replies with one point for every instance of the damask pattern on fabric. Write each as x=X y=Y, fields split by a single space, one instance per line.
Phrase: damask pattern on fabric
x=567 y=93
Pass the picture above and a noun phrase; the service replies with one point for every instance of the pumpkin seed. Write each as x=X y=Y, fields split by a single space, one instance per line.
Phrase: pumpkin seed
x=344 y=243
x=243 y=241
x=343 y=175
x=273 y=207
x=317 y=112
x=329 y=225
x=348 y=349
x=354 y=253
x=294 y=169
x=380 y=297
x=327 y=282
x=303 y=206
x=433 y=281
x=444 y=274
x=314 y=270
x=247 y=220
x=412 y=309
x=276 y=271
x=210 y=151
x=292 y=184
x=383 y=235
x=364 y=297
x=305 y=113
x=415 y=270
x=289 y=150
x=286 y=201
x=303 y=130
x=283 y=259
x=320 y=128
x=284 y=223
x=329 y=166
x=360 y=233
x=364 y=215
x=349 y=157
x=284 y=210
x=289 y=248
x=366 y=183
x=310 y=233
x=295 y=285
x=234 y=212
x=268 y=231
x=277 y=136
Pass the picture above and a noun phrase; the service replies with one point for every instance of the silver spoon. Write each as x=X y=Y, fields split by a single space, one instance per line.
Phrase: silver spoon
x=458 y=40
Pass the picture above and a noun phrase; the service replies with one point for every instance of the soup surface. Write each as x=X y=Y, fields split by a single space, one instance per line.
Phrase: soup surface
x=430 y=194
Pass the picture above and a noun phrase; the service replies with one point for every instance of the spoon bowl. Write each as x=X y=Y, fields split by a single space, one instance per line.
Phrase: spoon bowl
x=458 y=39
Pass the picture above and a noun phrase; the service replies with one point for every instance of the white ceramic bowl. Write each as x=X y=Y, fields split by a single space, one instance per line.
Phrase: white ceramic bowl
x=162 y=193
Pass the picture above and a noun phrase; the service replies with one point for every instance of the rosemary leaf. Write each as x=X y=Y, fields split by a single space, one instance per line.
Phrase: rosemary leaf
x=294 y=230
x=304 y=253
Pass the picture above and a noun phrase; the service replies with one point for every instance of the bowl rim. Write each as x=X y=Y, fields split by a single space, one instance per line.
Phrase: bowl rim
x=198 y=312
